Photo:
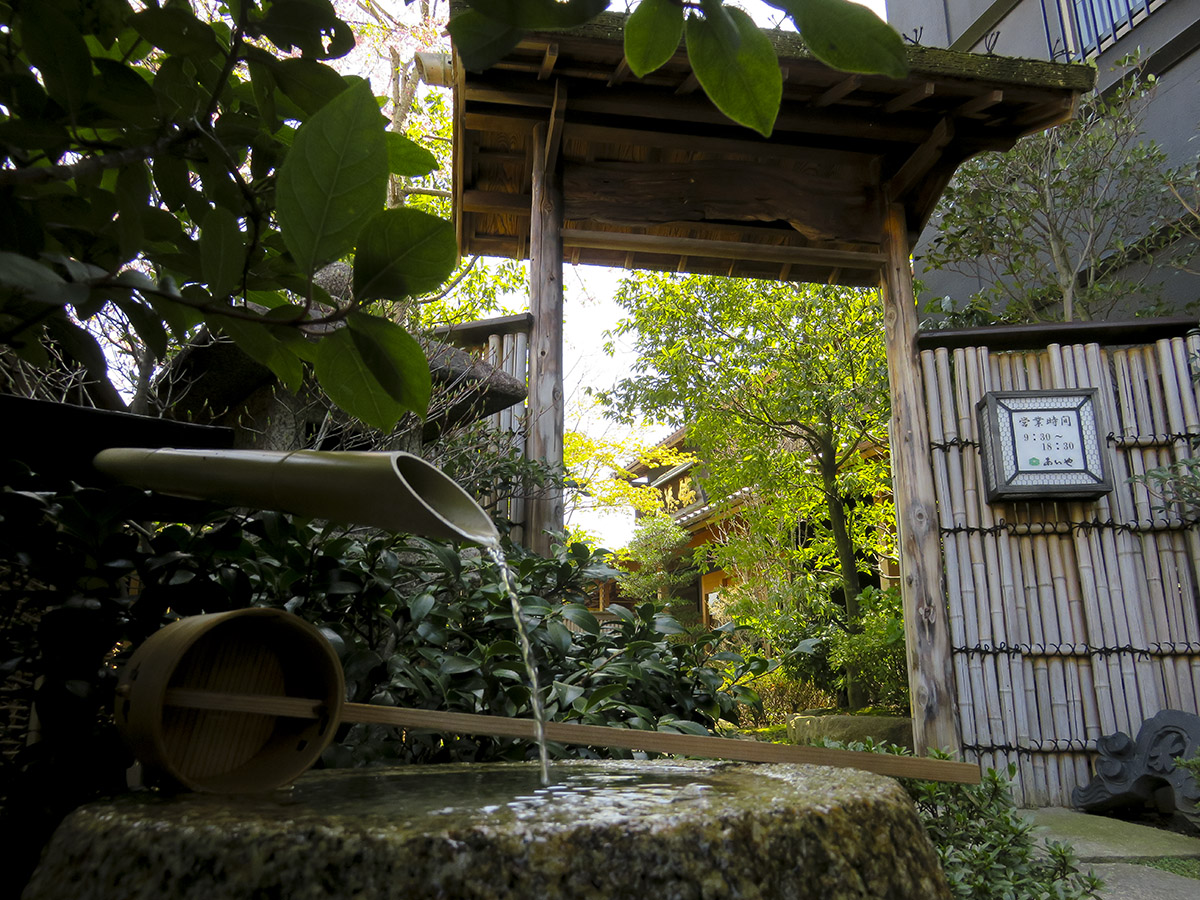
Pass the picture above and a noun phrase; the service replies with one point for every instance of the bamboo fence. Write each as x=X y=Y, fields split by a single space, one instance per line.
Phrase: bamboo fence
x=510 y=353
x=1068 y=620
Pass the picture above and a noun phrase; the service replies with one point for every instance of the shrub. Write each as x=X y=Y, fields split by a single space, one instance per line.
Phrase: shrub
x=987 y=848
x=875 y=652
x=416 y=623
x=782 y=696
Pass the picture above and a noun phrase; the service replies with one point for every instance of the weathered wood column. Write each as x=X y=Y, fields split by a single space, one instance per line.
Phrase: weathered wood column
x=926 y=623
x=545 y=420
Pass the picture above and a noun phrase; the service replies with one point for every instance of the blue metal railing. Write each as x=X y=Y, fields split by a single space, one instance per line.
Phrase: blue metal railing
x=1095 y=24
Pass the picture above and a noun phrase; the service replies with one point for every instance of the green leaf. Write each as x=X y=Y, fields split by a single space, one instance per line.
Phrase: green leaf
x=743 y=81
x=455 y=665
x=350 y=384
x=308 y=83
x=222 y=252
x=408 y=158
x=333 y=179
x=598 y=696
x=263 y=347
x=848 y=36
x=122 y=92
x=311 y=26
x=23 y=273
x=481 y=41
x=581 y=617
x=652 y=35
x=403 y=252
x=395 y=359
x=147 y=324
x=56 y=47
x=177 y=31
x=540 y=15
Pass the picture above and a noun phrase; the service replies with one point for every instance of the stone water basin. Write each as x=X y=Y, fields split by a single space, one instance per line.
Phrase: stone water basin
x=605 y=830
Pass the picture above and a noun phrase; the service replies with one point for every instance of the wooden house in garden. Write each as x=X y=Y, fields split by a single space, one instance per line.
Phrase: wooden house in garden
x=1036 y=624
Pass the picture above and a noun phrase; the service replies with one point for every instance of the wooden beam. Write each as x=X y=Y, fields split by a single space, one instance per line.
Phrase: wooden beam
x=496 y=203
x=920 y=161
x=554 y=135
x=620 y=73
x=689 y=84
x=680 y=246
x=980 y=103
x=771 y=153
x=822 y=203
x=548 y=60
x=908 y=98
x=839 y=90
x=546 y=419
x=926 y=625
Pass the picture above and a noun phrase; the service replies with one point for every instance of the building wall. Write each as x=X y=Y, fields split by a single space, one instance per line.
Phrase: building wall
x=1168 y=40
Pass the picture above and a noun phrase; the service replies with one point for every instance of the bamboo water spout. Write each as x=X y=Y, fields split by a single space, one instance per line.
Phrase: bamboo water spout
x=394 y=491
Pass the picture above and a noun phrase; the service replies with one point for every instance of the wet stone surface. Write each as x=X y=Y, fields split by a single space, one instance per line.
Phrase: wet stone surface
x=650 y=831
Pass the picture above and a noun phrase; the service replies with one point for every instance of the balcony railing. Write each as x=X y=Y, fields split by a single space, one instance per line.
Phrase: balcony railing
x=1093 y=25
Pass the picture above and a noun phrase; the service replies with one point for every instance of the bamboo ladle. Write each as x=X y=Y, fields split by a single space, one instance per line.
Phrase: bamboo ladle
x=247 y=701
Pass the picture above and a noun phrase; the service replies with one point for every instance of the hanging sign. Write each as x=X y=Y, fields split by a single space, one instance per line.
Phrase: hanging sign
x=1037 y=444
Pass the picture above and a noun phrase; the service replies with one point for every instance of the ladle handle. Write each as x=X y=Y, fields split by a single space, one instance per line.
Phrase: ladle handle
x=593 y=735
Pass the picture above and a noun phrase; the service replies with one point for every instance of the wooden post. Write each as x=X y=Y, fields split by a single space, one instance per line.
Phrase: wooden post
x=545 y=420
x=930 y=671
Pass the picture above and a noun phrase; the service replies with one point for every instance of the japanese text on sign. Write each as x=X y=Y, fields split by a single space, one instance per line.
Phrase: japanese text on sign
x=1048 y=441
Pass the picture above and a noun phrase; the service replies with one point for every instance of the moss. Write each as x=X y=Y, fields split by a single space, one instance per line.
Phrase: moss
x=1177 y=865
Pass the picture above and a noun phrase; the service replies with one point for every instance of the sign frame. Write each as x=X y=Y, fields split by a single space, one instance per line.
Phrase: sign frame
x=1047 y=444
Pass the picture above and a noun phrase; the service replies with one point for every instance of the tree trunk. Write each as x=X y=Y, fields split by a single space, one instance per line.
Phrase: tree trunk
x=847 y=562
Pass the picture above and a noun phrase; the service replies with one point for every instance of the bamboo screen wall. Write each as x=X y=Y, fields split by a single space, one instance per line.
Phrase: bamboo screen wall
x=1069 y=620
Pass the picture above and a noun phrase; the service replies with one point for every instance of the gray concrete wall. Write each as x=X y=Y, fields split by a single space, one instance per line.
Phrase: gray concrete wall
x=1168 y=41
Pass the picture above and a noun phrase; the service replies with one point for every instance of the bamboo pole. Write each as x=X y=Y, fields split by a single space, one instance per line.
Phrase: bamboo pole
x=1016 y=625
x=965 y=506
x=936 y=373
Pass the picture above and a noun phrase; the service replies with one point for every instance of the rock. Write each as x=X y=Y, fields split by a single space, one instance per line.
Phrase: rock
x=605 y=831
x=897 y=730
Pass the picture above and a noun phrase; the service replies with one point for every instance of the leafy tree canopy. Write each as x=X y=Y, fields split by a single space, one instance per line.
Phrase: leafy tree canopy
x=191 y=168
x=783 y=388
x=1065 y=225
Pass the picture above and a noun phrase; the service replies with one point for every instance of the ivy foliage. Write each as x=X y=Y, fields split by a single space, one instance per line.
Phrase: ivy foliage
x=734 y=61
x=200 y=163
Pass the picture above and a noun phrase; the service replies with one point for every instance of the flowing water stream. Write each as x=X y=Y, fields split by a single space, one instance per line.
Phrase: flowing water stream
x=496 y=554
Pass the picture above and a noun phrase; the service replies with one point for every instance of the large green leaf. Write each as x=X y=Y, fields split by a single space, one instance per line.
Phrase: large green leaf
x=408 y=158
x=311 y=26
x=395 y=359
x=348 y=381
x=222 y=252
x=307 y=83
x=177 y=31
x=263 y=347
x=55 y=46
x=847 y=36
x=741 y=77
x=652 y=35
x=481 y=41
x=333 y=179
x=403 y=252
x=540 y=15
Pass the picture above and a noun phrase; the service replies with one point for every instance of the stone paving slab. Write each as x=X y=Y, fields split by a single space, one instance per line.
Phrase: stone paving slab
x=1127 y=881
x=1108 y=840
